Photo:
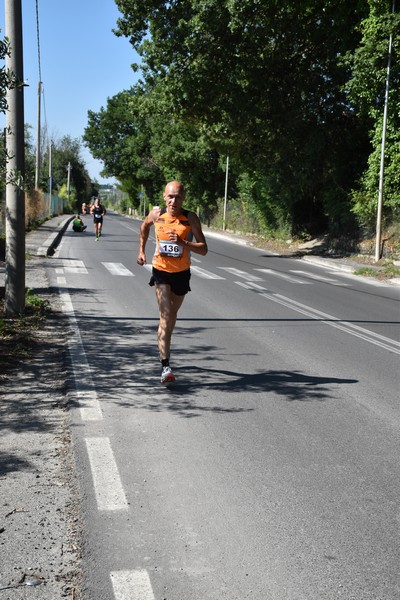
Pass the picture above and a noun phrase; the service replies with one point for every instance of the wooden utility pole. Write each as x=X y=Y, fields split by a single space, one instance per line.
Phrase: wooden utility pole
x=15 y=197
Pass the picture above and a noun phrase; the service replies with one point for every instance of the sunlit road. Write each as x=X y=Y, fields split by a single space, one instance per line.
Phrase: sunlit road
x=270 y=470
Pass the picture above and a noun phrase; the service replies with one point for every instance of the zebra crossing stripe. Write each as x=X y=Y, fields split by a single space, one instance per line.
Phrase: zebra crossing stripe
x=204 y=274
x=132 y=585
x=74 y=266
x=243 y=274
x=285 y=276
x=317 y=277
x=118 y=269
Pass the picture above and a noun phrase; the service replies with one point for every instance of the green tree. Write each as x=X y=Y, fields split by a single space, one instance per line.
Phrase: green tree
x=67 y=150
x=366 y=89
x=143 y=148
x=262 y=82
x=119 y=135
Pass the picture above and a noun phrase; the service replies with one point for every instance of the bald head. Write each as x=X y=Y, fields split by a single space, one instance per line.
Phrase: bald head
x=176 y=187
x=174 y=195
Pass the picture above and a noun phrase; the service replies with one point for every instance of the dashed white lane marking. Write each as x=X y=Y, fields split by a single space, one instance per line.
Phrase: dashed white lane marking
x=61 y=281
x=118 y=269
x=243 y=274
x=285 y=276
x=132 y=585
x=107 y=484
x=89 y=405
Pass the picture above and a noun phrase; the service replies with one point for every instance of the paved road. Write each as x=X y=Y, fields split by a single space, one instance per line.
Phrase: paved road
x=270 y=470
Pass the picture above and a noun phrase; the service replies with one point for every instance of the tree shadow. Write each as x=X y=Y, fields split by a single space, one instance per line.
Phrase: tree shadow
x=33 y=378
x=11 y=462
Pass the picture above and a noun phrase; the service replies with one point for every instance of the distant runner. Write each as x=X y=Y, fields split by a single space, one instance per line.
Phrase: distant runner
x=98 y=211
x=174 y=230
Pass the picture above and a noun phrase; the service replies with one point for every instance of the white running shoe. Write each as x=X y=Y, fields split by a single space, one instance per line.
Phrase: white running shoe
x=167 y=376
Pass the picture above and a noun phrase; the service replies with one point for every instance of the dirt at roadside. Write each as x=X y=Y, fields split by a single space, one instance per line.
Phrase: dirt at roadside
x=362 y=261
x=39 y=495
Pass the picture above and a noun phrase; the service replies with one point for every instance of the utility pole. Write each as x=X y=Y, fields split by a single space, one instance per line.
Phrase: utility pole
x=226 y=193
x=50 y=172
x=15 y=197
x=69 y=181
x=38 y=145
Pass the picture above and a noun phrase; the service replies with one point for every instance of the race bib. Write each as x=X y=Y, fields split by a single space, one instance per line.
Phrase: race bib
x=98 y=216
x=168 y=249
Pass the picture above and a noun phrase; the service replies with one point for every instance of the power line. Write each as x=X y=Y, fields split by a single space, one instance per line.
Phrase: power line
x=38 y=39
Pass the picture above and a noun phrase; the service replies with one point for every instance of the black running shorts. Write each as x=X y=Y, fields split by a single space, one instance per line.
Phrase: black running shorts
x=179 y=282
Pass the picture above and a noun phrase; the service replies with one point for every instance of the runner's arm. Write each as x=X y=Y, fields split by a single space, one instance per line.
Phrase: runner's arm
x=144 y=234
x=200 y=245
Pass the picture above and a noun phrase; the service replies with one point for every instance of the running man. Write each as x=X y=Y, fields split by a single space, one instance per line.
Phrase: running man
x=98 y=211
x=175 y=229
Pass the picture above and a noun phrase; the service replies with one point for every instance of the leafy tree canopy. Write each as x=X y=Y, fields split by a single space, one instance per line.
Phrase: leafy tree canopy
x=292 y=92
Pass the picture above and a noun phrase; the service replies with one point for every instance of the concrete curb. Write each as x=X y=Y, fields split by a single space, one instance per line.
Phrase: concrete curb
x=327 y=262
x=48 y=247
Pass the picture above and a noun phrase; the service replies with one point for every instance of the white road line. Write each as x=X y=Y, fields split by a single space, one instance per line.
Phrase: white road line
x=106 y=480
x=204 y=274
x=61 y=281
x=285 y=276
x=244 y=274
x=89 y=405
x=72 y=262
x=196 y=271
x=363 y=279
x=346 y=326
x=118 y=269
x=318 y=277
x=132 y=585
x=74 y=266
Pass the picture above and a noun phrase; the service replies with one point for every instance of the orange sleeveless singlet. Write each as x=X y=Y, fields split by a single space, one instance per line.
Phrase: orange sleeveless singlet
x=167 y=256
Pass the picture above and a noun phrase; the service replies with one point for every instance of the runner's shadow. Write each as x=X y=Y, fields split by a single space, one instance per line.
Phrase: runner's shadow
x=291 y=385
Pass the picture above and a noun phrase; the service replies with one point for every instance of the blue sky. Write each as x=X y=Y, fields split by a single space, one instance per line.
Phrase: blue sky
x=82 y=64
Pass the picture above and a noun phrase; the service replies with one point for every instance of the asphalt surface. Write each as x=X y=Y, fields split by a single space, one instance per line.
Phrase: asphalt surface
x=40 y=535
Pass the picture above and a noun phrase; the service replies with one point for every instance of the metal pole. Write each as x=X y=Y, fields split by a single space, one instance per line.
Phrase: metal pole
x=69 y=182
x=15 y=197
x=378 y=243
x=226 y=193
x=38 y=146
x=50 y=172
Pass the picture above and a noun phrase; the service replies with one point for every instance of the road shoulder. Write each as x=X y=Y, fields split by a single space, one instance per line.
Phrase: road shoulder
x=39 y=509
